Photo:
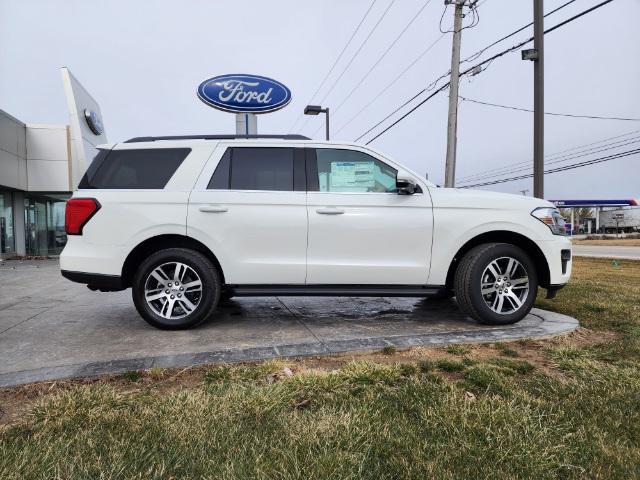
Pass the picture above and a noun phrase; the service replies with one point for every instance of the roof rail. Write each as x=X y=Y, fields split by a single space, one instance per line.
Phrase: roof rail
x=215 y=137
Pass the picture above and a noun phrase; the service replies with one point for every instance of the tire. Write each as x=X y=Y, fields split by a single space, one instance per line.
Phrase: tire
x=191 y=303
x=477 y=266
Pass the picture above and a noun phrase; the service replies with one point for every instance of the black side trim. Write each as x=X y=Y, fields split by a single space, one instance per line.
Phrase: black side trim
x=312 y=170
x=95 y=281
x=335 y=290
x=299 y=170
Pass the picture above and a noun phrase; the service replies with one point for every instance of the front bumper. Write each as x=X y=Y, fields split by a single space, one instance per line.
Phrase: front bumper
x=557 y=252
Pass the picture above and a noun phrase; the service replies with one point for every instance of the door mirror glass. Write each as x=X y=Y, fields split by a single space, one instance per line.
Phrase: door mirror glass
x=405 y=184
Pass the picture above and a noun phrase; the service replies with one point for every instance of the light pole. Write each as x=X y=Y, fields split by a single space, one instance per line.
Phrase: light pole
x=315 y=110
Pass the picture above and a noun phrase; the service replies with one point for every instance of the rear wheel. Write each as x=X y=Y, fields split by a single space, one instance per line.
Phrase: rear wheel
x=176 y=288
x=496 y=283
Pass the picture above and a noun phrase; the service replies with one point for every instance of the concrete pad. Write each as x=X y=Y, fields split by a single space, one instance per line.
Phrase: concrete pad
x=51 y=328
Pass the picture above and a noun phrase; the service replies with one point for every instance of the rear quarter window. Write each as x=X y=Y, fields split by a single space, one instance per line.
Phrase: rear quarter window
x=133 y=169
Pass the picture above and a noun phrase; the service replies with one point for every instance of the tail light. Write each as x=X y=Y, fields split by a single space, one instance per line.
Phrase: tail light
x=78 y=212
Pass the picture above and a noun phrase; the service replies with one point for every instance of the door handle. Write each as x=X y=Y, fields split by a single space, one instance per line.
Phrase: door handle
x=213 y=209
x=330 y=211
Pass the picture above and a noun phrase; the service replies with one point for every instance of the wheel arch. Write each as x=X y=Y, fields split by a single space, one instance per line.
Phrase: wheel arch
x=160 y=242
x=504 y=236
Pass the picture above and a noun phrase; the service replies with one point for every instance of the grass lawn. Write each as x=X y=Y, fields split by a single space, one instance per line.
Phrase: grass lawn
x=562 y=408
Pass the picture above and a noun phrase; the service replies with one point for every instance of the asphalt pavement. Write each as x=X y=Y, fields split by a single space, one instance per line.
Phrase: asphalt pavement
x=605 y=251
x=51 y=328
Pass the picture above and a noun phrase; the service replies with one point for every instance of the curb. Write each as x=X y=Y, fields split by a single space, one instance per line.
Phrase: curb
x=552 y=324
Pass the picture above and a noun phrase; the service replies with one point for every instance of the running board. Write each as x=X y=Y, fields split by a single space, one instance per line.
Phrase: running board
x=334 y=290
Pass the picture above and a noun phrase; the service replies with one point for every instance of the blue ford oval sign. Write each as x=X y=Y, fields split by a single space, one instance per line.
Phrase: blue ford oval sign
x=244 y=93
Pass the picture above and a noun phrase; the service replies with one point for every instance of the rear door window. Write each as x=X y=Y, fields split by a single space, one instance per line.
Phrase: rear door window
x=260 y=168
x=133 y=169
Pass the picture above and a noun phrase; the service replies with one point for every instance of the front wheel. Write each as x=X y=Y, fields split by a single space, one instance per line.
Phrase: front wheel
x=496 y=283
x=176 y=288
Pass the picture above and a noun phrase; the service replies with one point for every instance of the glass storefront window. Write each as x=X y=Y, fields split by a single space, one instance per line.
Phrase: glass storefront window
x=44 y=224
x=7 y=239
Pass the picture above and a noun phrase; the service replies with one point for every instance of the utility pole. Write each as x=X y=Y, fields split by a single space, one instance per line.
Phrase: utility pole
x=538 y=100
x=452 y=123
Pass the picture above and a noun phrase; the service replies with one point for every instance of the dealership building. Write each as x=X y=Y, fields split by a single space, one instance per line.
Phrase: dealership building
x=39 y=168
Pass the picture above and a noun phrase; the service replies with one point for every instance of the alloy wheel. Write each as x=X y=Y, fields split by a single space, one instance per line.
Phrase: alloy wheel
x=173 y=290
x=505 y=285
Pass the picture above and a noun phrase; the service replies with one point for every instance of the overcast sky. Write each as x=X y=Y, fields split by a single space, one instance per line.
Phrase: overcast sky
x=143 y=60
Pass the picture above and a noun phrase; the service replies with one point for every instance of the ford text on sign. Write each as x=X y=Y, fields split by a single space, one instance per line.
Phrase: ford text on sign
x=244 y=93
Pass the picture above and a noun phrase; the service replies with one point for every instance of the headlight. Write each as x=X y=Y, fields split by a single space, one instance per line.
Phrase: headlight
x=551 y=218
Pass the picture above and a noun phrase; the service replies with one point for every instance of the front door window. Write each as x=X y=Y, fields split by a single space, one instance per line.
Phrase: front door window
x=341 y=171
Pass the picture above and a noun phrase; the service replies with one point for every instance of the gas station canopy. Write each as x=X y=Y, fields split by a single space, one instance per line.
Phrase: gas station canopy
x=596 y=203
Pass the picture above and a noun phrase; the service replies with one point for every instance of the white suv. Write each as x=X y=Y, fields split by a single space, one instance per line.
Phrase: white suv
x=188 y=221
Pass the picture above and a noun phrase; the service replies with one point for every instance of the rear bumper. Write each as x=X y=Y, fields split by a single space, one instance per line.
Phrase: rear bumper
x=95 y=281
x=80 y=256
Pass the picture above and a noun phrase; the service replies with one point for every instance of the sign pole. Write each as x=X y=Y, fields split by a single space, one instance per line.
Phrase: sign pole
x=246 y=124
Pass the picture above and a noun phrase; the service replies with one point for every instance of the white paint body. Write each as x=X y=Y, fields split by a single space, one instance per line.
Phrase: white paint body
x=278 y=238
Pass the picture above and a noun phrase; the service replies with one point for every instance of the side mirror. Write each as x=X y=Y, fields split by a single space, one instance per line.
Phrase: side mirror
x=405 y=183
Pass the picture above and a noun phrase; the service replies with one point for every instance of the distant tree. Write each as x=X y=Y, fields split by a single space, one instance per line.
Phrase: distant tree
x=584 y=212
x=566 y=213
x=578 y=214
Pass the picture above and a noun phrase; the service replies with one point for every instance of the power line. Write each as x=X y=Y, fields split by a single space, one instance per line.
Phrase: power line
x=377 y=62
x=470 y=69
x=549 y=30
x=474 y=56
x=520 y=166
x=562 y=159
x=521 y=109
x=376 y=96
x=474 y=20
x=333 y=85
x=344 y=49
x=560 y=169
x=335 y=82
x=404 y=116
x=497 y=171
x=432 y=84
